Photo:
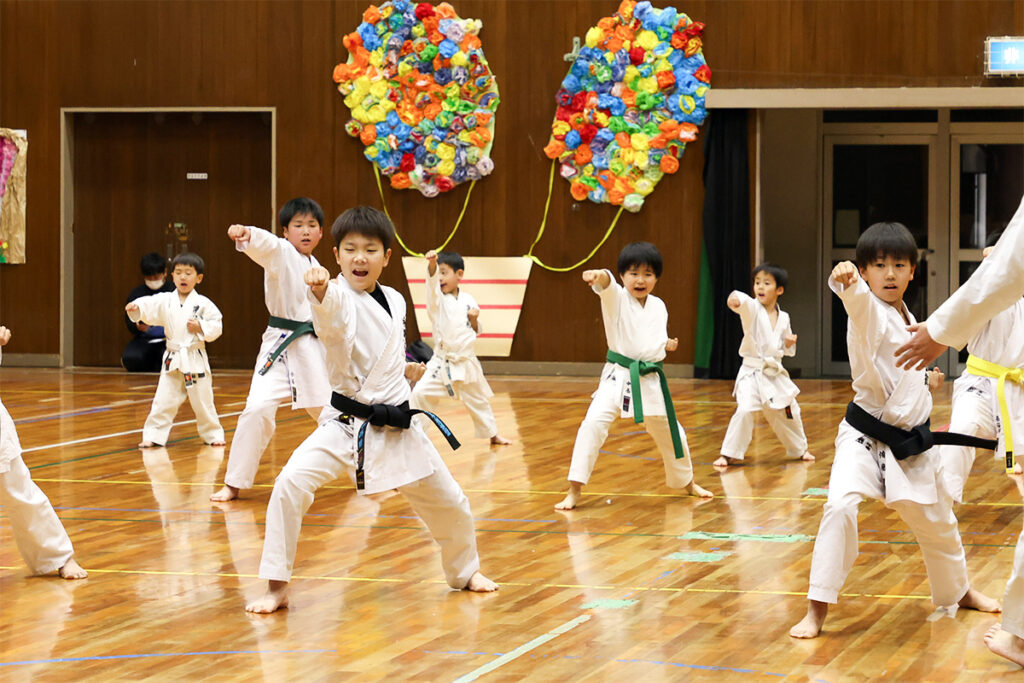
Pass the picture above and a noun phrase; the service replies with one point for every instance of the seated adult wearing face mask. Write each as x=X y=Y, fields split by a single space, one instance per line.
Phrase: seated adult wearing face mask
x=146 y=349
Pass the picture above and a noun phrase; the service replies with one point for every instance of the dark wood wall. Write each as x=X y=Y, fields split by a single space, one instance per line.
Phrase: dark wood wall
x=281 y=54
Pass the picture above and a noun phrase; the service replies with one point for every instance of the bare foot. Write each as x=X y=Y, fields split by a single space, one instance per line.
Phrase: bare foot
x=807 y=457
x=225 y=494
x=1005 y=644
x=478 y=583
x=72 y=570
x=725 y=461
x=572 y=498
x=810 y=625
x=975 y=599
x=150 y=444
x=275 y=599
x=695 y=489
x=499 y=440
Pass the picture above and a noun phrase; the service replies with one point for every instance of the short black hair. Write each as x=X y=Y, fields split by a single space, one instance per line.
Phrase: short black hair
x=451 y=259
x=640 y=254
x=188 y=259
x=366 y=221
x=886 y=239
x=297 y=206
x=153 y=264
x=777 y=272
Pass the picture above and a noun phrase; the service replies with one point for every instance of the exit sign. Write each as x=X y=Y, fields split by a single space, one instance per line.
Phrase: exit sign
x=1004 y=56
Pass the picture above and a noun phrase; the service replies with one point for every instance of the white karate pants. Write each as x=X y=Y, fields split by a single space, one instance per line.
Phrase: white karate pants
x=429 y=390
x=256 y=424
x=1013 y=598
x=972 y=415
x=856 y=475
x=170 y=394
x=38 y=533
x=605 y=409
x=789 y=430
x=323 y=457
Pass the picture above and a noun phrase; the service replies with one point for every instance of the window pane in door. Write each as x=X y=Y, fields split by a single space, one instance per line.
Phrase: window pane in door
x=991 y=183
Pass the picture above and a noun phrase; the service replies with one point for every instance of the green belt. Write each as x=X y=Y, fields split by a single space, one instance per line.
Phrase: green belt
x=298 y=329
x=638 y=368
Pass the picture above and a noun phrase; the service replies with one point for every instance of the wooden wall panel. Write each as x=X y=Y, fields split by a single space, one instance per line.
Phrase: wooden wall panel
x=281 y=53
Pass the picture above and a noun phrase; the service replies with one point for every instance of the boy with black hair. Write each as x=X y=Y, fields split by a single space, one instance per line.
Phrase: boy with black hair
x=144 y=352
x=190 y=320
x=881 y=448
x=762 y=383
x=636 y=328
x=38 y=533
x=290 y=365
x=368 y=429
x=454 y=369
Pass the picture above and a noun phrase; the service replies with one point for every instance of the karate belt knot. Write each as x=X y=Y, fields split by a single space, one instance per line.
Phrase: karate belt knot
x=638 y=368
x=983 y=368
x=173 y=349
x=382 y=415
x=907 y=442
x=769 y=367
x=298 y=328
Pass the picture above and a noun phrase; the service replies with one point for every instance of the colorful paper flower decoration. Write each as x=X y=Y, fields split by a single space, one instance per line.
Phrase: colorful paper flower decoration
x=8 y=152
x=629 y=104
x=421 y=93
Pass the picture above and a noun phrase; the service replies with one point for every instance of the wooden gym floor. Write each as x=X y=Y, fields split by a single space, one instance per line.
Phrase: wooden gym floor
x=636 y=584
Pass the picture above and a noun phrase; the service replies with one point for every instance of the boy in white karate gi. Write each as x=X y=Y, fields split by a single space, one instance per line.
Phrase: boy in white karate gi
x=997 y=284
x=632 y=383
x=995 y=351
x=189 y=320
x=454 y=370
x=885 y=397
x=38 y=533
x=362 y=325
x=290 y=365
x=762 y=384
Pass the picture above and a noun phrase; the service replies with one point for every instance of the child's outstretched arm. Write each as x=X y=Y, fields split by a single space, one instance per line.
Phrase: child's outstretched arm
x=316 y=279
x=597 y=277
x=258 y=244
x=431 y=257
x=146 y=309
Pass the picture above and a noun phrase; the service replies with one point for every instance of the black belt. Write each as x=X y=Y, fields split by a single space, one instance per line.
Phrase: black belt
x=382 y=415
x=904 y=443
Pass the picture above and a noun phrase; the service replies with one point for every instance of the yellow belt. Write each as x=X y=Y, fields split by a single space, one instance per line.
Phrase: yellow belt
x=983 y=368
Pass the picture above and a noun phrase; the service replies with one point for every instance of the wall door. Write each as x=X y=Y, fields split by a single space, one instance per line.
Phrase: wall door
x=872 y=178
x=986 y=184
x=136 y=174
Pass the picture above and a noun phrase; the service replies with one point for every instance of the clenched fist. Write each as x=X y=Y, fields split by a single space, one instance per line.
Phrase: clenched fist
x=238 y=233
x=845 y=273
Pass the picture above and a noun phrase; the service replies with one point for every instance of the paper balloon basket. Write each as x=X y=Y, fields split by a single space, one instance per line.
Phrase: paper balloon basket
x=498 y=283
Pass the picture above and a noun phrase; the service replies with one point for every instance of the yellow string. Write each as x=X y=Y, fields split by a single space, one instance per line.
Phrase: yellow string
x=543 y=223
x=380 y=189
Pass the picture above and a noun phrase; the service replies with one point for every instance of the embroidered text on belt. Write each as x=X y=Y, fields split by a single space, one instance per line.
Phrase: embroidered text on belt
x=907 y=442
x=637 y=368
x=298 y=329
x=383 y=415
x=983 y=368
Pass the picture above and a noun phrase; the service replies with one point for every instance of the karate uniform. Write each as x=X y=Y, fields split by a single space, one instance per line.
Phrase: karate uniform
x=454 y=370
x=637 y=332
x=975 y=403
x=38 y=533
x=185 y=357
x=298 y=375
x=996 y=284
x=366 y=362
x=762 y=384
x=864 y=467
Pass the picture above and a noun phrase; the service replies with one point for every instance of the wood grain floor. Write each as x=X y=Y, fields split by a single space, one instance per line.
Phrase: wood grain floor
x=636 y=584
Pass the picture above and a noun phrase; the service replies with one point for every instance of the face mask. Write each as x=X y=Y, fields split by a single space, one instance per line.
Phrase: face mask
x=155 y=284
